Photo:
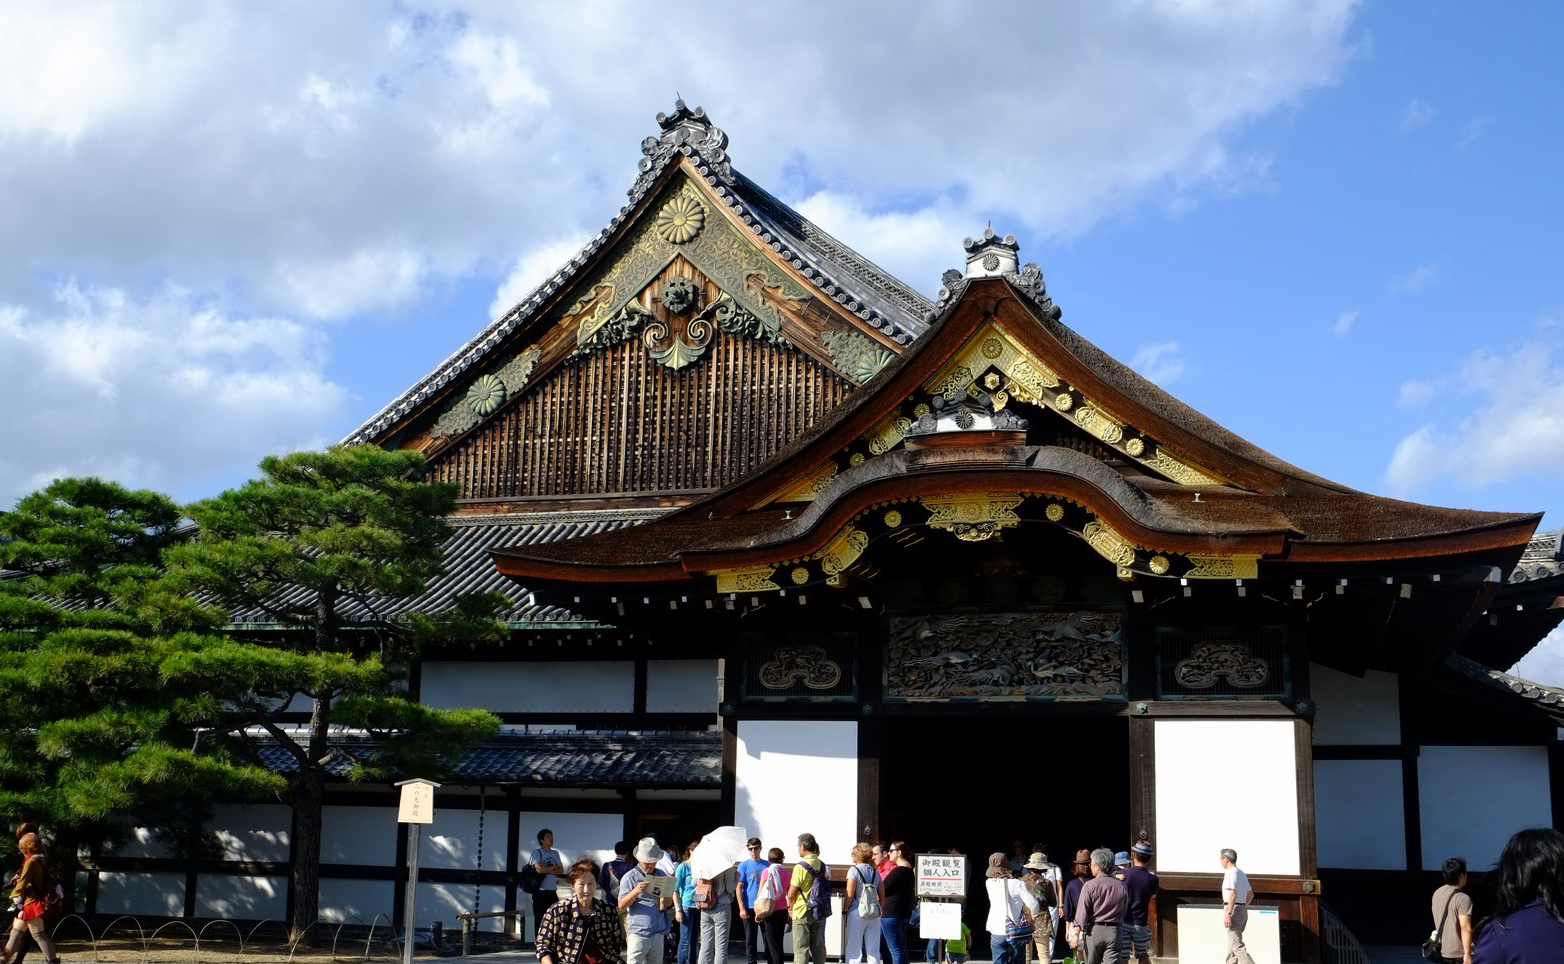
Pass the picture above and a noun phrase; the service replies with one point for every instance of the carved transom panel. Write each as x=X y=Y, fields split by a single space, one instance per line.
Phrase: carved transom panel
x=1063 y=655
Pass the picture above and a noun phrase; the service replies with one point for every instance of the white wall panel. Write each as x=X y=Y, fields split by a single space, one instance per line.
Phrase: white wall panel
x=153 y=895
x=452 y=840
x=442 y=902
x=1360 y=814
x=798 y=776
x=681 y=686
x=256 y=832
x=1202 y=935
x=584 y=687
x=1227 y=783
x=359 y=835
x=1474 y=797
x=1354 y=711
x=142 y=843
x=357 y=900
x=235 y=895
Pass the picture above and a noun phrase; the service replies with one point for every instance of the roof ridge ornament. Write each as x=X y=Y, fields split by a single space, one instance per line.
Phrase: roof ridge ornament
x=688 y=132
x=989 y=257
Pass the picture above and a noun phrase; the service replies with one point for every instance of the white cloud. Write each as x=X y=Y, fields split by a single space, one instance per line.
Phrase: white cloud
x=1516 y=419
x=1471 y=131
x=1417 y=114
x=269 y=167
x=1545 y=663
x=531 y=270
x=1344 y=322
x=1415 y=394
x=1161 y=362
x=1416 y=280
x=168 y=393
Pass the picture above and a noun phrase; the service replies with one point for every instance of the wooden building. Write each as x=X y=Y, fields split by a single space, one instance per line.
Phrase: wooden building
x=870 y=566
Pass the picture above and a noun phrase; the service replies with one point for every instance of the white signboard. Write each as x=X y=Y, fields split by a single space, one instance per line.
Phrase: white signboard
x=417 y=804
x=939 y=922
x=940 y=875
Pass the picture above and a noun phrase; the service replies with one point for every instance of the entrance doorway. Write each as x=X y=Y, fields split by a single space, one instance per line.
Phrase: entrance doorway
x=981 y=782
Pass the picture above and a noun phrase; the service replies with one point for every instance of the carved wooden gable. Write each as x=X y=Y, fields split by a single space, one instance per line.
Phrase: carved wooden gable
x=689 y=356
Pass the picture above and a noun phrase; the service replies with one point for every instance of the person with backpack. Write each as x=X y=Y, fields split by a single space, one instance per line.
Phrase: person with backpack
x=714 y=896
x=865 y=892
x=30 y=895
x=809 y=902
x=547 y=865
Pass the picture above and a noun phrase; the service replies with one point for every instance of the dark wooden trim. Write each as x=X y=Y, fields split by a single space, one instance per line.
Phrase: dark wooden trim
x=398 y=876
x=871 y=752
x=638 y=720
x=638 y=700
x=1143 y=778
x=1308 y=848
x=512 y=856
x=1411 y=806
x=730 y=759
x=192 y=848
x=1210 y=885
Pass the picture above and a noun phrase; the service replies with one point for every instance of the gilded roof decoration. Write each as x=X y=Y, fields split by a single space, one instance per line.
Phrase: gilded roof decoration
x=856 y=354
x=485 y=395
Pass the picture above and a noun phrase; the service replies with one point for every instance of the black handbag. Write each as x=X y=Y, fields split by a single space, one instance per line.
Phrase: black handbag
x=1435 y=944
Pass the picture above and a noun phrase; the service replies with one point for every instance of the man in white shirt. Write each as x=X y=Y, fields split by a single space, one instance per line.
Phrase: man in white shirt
x=1236 y=895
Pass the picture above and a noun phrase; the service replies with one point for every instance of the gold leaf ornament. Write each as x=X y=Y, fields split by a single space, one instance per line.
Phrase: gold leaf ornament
x=681 y=220
x=485 y=395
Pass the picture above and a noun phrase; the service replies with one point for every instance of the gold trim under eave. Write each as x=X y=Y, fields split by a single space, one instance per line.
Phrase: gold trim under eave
x=1027 y=379
x=973 y=517
x=754 y=579
x=810 y=488
x=1236 y=566
x=843 y=551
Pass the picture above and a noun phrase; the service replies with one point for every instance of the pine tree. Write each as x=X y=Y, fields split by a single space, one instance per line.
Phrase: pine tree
x=95 y=736
x=318 y=549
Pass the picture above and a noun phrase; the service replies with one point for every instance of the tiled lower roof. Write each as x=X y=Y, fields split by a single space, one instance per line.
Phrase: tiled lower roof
x=1550 y=698
x=574 y=759
x=468 y=568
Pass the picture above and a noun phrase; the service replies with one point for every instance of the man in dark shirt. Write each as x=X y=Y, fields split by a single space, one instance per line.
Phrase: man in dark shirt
x=1101 y=907
x=1140 y=884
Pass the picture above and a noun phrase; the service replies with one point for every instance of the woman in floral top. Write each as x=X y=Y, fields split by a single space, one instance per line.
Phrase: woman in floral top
x=586 y=930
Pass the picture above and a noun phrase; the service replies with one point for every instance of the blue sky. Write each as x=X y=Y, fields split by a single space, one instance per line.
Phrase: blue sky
x=235 y=229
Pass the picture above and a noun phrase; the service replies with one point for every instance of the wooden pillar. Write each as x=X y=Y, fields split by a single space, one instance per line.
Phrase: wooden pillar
x=1308 y=857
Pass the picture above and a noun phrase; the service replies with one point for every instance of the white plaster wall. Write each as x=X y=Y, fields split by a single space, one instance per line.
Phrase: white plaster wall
x=1227 y=783
x=584 y=687
x=452 y=840
x=1354 y=711
x=442 y=902
x=235 y=895
x=1473 y=798
x=797 y=776
x=256 y=832
x=1202 y=936
x=359 y=835
x=681 y=686
x=1360 y=816
x=142 y=843
x=152 y=895
x=357 y=900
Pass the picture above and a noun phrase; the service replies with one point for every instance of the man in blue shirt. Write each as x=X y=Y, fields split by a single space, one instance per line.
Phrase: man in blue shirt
x=749 y=889
x=645 y=909
x=1141 y=883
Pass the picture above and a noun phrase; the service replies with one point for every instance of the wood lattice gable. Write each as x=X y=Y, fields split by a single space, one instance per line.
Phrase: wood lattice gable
x=859 y=314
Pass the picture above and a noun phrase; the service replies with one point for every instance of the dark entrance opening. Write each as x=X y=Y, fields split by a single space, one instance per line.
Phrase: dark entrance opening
x=982 y=781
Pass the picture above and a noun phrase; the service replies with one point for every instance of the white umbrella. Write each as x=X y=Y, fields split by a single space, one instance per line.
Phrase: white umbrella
x=719 y=851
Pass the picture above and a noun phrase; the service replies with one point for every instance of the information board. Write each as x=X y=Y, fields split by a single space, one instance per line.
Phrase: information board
x=939 y=921
x=942 y=875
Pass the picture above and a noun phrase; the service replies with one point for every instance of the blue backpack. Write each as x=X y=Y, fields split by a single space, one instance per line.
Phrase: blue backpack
x=818 y=899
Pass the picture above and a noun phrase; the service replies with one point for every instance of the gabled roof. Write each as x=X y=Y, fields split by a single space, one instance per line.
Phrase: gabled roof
x=689 y=141
x=1166 y=480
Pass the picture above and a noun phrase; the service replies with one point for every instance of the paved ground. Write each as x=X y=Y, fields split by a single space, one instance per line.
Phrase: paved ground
x=1377 y=954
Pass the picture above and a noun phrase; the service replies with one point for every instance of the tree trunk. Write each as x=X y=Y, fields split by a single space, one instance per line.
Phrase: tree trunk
x=308 y=800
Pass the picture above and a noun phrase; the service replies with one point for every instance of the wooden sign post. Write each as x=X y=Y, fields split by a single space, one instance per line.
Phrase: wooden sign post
x=942 y=883
x=415 y=809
